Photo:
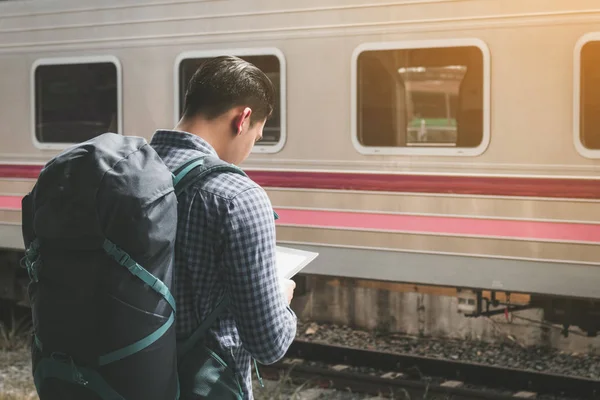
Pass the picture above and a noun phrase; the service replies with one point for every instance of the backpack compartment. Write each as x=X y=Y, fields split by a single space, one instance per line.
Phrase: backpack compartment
x=100 y=228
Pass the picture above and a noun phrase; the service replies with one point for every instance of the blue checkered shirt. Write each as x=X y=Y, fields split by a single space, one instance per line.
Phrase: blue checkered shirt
x=226 y=244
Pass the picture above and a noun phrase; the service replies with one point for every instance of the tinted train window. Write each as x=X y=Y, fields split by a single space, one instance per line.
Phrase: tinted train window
x=75 y=102
x=589 y=96
x=420 y=97
x=269 y=64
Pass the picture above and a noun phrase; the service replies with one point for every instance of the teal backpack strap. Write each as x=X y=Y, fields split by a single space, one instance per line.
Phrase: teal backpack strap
x=213 y=371
x=189 y=172
x=67 y=371
x=201 y=167
x=154 y=283
x=200 y=332
x=198 y=168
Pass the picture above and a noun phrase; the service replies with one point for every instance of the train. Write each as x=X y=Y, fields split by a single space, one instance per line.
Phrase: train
x=412 y=140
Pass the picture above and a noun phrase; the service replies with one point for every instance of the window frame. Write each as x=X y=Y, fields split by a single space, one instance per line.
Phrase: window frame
x=581 y=149
x=240 y=52
x=70 y=61
x=422 y=151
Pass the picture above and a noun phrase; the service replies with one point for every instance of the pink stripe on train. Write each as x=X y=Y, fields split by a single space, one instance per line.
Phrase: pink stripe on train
x=455 y=226
x=10 y=202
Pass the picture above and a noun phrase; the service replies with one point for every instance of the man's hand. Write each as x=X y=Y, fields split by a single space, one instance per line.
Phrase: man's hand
x=288 y=289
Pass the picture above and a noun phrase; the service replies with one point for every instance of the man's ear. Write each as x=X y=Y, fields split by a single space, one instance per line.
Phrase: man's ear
x=240 y=119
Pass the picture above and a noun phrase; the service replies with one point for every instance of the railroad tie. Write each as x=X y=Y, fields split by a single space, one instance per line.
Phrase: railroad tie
x=452 y=384
x=526 y=395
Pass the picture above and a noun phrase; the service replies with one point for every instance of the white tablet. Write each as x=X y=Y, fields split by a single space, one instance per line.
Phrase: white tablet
x=291 y=261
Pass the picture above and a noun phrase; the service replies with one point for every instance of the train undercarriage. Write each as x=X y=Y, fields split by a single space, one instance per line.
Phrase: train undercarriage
x=568 y=312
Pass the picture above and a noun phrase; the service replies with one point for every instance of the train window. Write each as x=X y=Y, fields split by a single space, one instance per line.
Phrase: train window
x=270 y=61
x=75 y=100
x=427 y=97
x=587 y=96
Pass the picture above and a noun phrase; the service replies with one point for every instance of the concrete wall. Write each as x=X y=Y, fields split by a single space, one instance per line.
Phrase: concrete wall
x=428 y=315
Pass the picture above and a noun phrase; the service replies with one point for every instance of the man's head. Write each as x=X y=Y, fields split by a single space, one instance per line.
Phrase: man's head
x=227 y=102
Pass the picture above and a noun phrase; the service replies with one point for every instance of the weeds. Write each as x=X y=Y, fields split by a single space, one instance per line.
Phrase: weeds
x=15 y=335
x=24 y=395
x=279 y=390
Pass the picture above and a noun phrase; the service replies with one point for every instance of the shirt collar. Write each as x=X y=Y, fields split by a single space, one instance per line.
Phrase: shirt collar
x=174 y=138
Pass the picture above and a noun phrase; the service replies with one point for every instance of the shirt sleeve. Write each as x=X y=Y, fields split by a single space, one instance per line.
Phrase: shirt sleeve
x=266 y=325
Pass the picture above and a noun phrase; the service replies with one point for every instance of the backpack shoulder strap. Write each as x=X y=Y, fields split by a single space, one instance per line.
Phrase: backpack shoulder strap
x=201 y=330
x=192 y=171
x=189 y=172
x=198 y=168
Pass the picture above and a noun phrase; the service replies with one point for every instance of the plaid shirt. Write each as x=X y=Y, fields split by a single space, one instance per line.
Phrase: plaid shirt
x=226 y=244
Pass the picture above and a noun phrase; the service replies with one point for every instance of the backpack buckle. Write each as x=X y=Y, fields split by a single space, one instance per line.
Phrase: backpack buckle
x=76 y=375
x=34 y=270
x=124 y=259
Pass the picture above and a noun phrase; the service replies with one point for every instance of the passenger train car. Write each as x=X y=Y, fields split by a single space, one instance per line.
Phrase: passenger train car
x=436 y=142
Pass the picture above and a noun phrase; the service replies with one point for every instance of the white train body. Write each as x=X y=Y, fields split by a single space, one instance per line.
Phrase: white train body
x=437 y=142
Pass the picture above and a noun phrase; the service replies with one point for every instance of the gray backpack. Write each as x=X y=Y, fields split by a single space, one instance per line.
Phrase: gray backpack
x=99 y=228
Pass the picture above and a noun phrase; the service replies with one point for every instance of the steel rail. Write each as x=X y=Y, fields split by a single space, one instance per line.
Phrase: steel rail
x=398 y=388
x=418 y=370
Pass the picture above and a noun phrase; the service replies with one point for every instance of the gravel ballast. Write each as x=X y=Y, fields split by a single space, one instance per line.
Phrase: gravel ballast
x=16 y=382
x=504 y=354
x=15 y=375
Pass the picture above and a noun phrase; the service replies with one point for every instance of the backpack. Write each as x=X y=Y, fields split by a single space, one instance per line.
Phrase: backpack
x=99 y=228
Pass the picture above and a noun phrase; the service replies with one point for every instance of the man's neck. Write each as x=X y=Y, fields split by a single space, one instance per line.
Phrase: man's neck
x=206 y=131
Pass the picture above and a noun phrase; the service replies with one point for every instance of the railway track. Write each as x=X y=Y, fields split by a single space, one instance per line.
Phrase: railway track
x=415 y=377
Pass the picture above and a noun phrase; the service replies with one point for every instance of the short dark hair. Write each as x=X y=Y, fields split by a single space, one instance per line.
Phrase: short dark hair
x=224 y=82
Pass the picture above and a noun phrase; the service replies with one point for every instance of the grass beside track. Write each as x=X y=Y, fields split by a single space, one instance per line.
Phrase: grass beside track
x=18 y=384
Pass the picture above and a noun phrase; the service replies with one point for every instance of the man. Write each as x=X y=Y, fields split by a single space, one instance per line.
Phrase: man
x=226 y=228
